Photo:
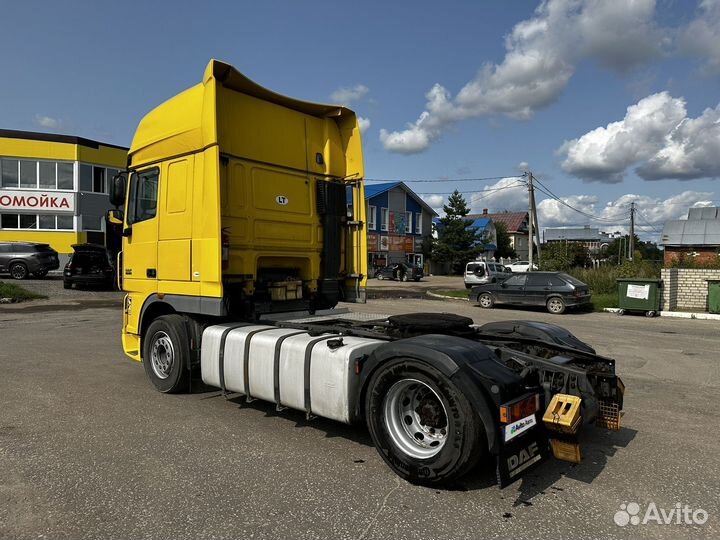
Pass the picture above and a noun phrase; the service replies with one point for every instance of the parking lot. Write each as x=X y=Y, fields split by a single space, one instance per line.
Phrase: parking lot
x=89 y=449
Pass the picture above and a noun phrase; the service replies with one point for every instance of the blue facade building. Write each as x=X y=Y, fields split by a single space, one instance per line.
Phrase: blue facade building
x=397 y=221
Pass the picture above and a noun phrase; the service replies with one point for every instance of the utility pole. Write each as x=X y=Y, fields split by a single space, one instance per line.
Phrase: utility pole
x=631 y=248
x=531 y=222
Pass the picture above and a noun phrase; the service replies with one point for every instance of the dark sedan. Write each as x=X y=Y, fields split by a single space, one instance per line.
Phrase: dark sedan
x=554 y=290
x=401 y=271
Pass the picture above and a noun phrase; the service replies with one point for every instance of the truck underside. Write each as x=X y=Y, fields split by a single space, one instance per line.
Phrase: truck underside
x=408 y=378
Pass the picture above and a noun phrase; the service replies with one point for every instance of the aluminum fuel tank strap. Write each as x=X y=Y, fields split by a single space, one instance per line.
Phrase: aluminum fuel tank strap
x=308 y=359
x=246 y=361
x=221 y=356
x=276 y=367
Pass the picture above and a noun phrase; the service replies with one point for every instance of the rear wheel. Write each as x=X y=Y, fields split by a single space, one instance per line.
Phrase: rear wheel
x=380 y=277
x=486 y=300
x=421 y=423
x=555 y=305
x=166 y=354
x=403 y=277
x=18 y=270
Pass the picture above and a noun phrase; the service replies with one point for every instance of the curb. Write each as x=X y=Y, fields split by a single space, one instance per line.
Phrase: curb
x=444 y=297
x=679 y=314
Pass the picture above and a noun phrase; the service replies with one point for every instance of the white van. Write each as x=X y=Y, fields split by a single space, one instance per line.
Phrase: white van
x=478 y=272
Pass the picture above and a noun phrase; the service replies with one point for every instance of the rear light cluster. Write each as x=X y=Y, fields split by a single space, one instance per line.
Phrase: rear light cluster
x=520 y=408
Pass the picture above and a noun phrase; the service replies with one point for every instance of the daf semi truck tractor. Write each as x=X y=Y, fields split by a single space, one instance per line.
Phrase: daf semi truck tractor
x=243 y=223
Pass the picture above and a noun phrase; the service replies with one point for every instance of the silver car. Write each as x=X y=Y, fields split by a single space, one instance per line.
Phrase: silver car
x=20 y=259
x=479 y=272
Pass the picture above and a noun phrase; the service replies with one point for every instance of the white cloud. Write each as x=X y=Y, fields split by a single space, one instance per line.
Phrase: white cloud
x=702 y=36
x=540 y=60
x=364 y=124
x=655 y=135
x=435 y=202
x=345 y=96
x=506 y=194
x=46 y=122
x=615 y=215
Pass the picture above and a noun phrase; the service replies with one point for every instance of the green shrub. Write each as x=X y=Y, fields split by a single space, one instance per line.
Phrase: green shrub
x=602 y=280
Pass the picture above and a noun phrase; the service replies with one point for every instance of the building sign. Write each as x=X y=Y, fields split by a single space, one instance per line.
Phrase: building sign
x=418 y=244
x=37 y=201
x=372 y=240
x=384 y=243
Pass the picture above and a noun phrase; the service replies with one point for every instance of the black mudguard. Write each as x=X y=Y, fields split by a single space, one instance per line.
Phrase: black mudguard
x=550 y=333
x=471 y=366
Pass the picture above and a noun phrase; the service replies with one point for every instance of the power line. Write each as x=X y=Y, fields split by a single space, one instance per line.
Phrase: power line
x=484 y=179
x=481 y=191
x=550 y=194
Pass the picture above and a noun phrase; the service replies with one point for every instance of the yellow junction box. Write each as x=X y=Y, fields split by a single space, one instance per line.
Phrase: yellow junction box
x=563 y=413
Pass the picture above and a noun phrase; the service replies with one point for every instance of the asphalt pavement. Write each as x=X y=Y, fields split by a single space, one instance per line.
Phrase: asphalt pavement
x=88 y=449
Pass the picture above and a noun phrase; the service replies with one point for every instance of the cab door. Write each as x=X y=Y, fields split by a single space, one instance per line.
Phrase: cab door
x=141 y=233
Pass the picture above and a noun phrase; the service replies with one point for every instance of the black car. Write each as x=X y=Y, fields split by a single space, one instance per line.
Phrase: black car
x=20 y=259
x=89 y=265
x=401 y=271
x=554 y=290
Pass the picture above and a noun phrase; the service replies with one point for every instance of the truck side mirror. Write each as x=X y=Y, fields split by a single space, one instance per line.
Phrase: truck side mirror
x=117 y=189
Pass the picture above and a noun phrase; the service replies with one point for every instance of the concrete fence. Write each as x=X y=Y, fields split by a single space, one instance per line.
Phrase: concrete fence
x=686 y=289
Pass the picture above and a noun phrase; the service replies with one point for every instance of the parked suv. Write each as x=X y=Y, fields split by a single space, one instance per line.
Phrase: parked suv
x=20 y=259
x=89 y=265
x=401 y=271
x=478 y=272
x=554 y=290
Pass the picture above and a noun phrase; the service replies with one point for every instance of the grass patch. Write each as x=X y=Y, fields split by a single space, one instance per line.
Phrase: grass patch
x=16 y=293
x=455 y=293
x=602 y=301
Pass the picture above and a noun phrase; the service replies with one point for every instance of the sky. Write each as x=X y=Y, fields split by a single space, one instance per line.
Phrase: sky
x=606 y=102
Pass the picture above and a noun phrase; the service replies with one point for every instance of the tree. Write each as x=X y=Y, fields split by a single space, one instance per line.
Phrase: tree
x=647 y=251
x=504 y=246
x=564 y=256
x=458 y=242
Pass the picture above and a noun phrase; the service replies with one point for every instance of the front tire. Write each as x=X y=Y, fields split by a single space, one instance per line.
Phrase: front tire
x=422 y=425
x=166 y=354
x=555 y=305
x=486 y=301
x=18 y=270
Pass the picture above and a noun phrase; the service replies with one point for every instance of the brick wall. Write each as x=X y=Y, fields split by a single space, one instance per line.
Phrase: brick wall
x=685 y=289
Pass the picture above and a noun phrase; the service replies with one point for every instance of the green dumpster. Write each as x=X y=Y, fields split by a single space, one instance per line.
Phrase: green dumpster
x=713 y=296
x=639 y=294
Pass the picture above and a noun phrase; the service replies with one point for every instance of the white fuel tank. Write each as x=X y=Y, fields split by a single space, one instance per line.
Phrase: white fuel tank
x=289 y=367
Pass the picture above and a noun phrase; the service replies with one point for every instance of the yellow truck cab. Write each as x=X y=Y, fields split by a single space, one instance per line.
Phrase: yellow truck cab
x=237 y=205
x=244 y=216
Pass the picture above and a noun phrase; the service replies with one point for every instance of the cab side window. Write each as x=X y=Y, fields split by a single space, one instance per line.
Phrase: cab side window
x=143 y=196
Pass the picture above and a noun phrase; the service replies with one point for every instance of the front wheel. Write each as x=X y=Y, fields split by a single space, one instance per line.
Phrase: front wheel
x=422 y=425
x=555 y=305
x=403 y=277
x=380 y=277
x=18 y=270
x=486 y=300
x=166 y=354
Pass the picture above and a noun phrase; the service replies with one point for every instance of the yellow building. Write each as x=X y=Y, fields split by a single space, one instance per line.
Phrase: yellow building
x=53 y=188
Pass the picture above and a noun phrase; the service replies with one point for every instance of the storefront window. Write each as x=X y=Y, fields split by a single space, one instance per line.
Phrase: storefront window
x=65 y=222
x=28 y=174
x=47 y=175
x=86 y=177
x=46 y=222
x=28 y=222
x=9 y=221
x=65 y=176
x=9 y=172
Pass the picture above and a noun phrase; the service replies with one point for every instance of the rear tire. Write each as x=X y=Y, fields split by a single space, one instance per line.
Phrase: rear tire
x=555 y=305
x=166 y=354
x=403 y=277
x=18 y=270
x=486 y=300
x=422 y=425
